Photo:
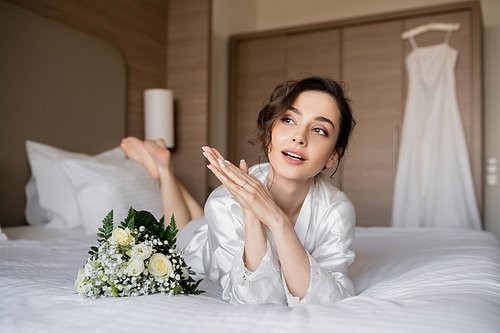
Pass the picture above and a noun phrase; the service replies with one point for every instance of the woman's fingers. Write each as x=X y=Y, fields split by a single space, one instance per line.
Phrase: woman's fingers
x=244 y=166
x=238 y=176
x=217 y=153
x=234 y=173
x=211 y=157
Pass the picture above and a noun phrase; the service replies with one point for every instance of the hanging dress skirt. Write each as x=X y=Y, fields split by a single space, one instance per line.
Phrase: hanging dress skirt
x=433 y=186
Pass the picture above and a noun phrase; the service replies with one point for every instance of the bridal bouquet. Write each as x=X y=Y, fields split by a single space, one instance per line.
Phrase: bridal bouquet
x=137 y=258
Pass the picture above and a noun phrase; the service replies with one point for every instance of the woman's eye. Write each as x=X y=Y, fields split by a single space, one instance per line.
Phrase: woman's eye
x=287 y=120
x=320 y=131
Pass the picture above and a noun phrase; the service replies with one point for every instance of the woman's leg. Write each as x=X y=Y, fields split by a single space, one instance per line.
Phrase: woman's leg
x=154 y=156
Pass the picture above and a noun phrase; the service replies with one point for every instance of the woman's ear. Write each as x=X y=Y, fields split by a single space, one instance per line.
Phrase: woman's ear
x=335 y=155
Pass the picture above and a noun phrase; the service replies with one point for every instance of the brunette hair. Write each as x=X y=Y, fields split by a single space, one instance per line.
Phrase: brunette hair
x=283 y=97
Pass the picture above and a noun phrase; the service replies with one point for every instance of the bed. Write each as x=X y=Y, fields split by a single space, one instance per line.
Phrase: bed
x=421 y=280
x=406 y=280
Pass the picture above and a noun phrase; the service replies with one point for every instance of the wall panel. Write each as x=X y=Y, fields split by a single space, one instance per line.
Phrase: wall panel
x=373 y=68
x=138 y=28
x=261 y=66
x=189 y=77
x=315 y=52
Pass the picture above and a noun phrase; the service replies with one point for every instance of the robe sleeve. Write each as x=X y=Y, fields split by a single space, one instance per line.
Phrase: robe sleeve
x=329 y=260
x=226 y=235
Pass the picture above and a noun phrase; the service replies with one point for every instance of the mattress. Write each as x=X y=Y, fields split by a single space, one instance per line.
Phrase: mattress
x=406 y=280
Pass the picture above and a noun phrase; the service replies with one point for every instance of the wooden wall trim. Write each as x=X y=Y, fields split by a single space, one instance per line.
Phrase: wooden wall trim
x=478 y=102
x=138 y=28
x=188 y=67
x=343 y=23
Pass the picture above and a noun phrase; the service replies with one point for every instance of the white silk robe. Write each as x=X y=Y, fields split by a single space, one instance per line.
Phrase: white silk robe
x=325 y=227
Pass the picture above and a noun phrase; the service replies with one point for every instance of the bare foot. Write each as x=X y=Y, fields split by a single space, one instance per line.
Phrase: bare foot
x=161 y=143
x=158 y=150
x=136 y=151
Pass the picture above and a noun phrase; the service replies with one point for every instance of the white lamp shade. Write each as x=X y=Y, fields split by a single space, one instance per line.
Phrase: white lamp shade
x=159 y=115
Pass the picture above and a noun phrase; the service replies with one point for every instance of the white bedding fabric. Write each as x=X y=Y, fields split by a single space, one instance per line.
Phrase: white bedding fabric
x=411 y=280
x=68 y=190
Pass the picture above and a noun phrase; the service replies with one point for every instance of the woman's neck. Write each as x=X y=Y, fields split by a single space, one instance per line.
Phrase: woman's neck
x=288 y=194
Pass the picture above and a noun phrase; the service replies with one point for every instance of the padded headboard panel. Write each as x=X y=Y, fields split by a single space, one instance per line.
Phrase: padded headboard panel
x=58 y=86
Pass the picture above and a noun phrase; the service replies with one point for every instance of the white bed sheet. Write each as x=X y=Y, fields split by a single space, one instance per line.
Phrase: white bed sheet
x=420 y=280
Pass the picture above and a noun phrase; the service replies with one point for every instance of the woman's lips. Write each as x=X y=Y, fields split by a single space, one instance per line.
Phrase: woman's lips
x=293 y=157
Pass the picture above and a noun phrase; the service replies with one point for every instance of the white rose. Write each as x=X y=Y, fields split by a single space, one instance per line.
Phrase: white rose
x=121 y=236
x=135 y=267
x=79 y=280
x=159 y=265
x=141 y=251
x=185 y=273
x=88 y=269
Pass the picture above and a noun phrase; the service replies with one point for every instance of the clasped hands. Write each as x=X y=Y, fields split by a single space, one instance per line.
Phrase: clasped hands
x=247 y=190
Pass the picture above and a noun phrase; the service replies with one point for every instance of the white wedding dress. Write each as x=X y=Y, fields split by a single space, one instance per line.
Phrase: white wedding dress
x=434 y=186
x=325 y=227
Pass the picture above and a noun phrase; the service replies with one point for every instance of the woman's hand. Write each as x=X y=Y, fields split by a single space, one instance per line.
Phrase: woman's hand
x=255 y=240
x=258 y=204
x=247 y=189
x=214 y=156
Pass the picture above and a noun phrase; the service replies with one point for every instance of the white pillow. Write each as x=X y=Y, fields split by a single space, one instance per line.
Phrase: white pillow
x=49 y=193
x=35 y=214
x=3 y=237
x=106 y=184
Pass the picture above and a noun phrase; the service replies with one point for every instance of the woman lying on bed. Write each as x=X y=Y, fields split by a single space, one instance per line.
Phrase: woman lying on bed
x=277 y=232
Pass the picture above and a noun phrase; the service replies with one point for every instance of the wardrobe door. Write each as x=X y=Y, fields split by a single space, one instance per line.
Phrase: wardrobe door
x=313 y=53
x=373 y=68
x=260 y=66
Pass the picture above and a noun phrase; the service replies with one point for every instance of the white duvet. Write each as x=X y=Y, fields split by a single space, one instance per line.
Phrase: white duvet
x=411 y=280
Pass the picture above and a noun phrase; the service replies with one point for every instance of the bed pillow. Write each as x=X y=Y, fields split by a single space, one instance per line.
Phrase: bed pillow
x=3 y=237
x=35 y=214
x=50 y=197
x=106 y=184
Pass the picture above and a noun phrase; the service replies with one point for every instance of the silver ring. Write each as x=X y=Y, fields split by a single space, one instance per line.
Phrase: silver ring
x=246 y=182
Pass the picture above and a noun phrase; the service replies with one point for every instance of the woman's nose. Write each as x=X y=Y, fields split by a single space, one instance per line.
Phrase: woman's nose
x=300 y=138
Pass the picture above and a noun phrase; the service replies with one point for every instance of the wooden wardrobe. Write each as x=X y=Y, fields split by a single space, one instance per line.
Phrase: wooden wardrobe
x=368 y=55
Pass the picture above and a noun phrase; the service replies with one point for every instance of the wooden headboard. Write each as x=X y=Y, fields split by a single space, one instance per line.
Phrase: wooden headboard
x=157 y=44
x=368 y=54
x=58 y=86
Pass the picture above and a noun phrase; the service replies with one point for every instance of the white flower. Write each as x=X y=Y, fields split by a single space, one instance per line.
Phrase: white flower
x=159 y=265
x=79 y=281
x=141 y=251
x=88 y=269
x=185 y=273
x=121 y=236
x=135 y=267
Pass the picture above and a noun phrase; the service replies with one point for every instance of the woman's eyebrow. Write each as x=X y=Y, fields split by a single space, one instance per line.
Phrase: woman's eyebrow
x=318 y=118
x=326 y=120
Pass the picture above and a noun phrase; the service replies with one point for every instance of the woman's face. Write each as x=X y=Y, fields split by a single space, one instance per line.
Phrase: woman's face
x=303 y=138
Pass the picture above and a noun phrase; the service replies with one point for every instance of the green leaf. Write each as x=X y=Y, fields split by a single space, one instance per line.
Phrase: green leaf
x=146 y=219
x=171 y=231
x=191 y=288
x=107 y=225
x=130 y=219
x=105 y=232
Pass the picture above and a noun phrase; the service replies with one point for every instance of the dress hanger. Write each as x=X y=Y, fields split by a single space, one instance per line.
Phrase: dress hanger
x=433 y=26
